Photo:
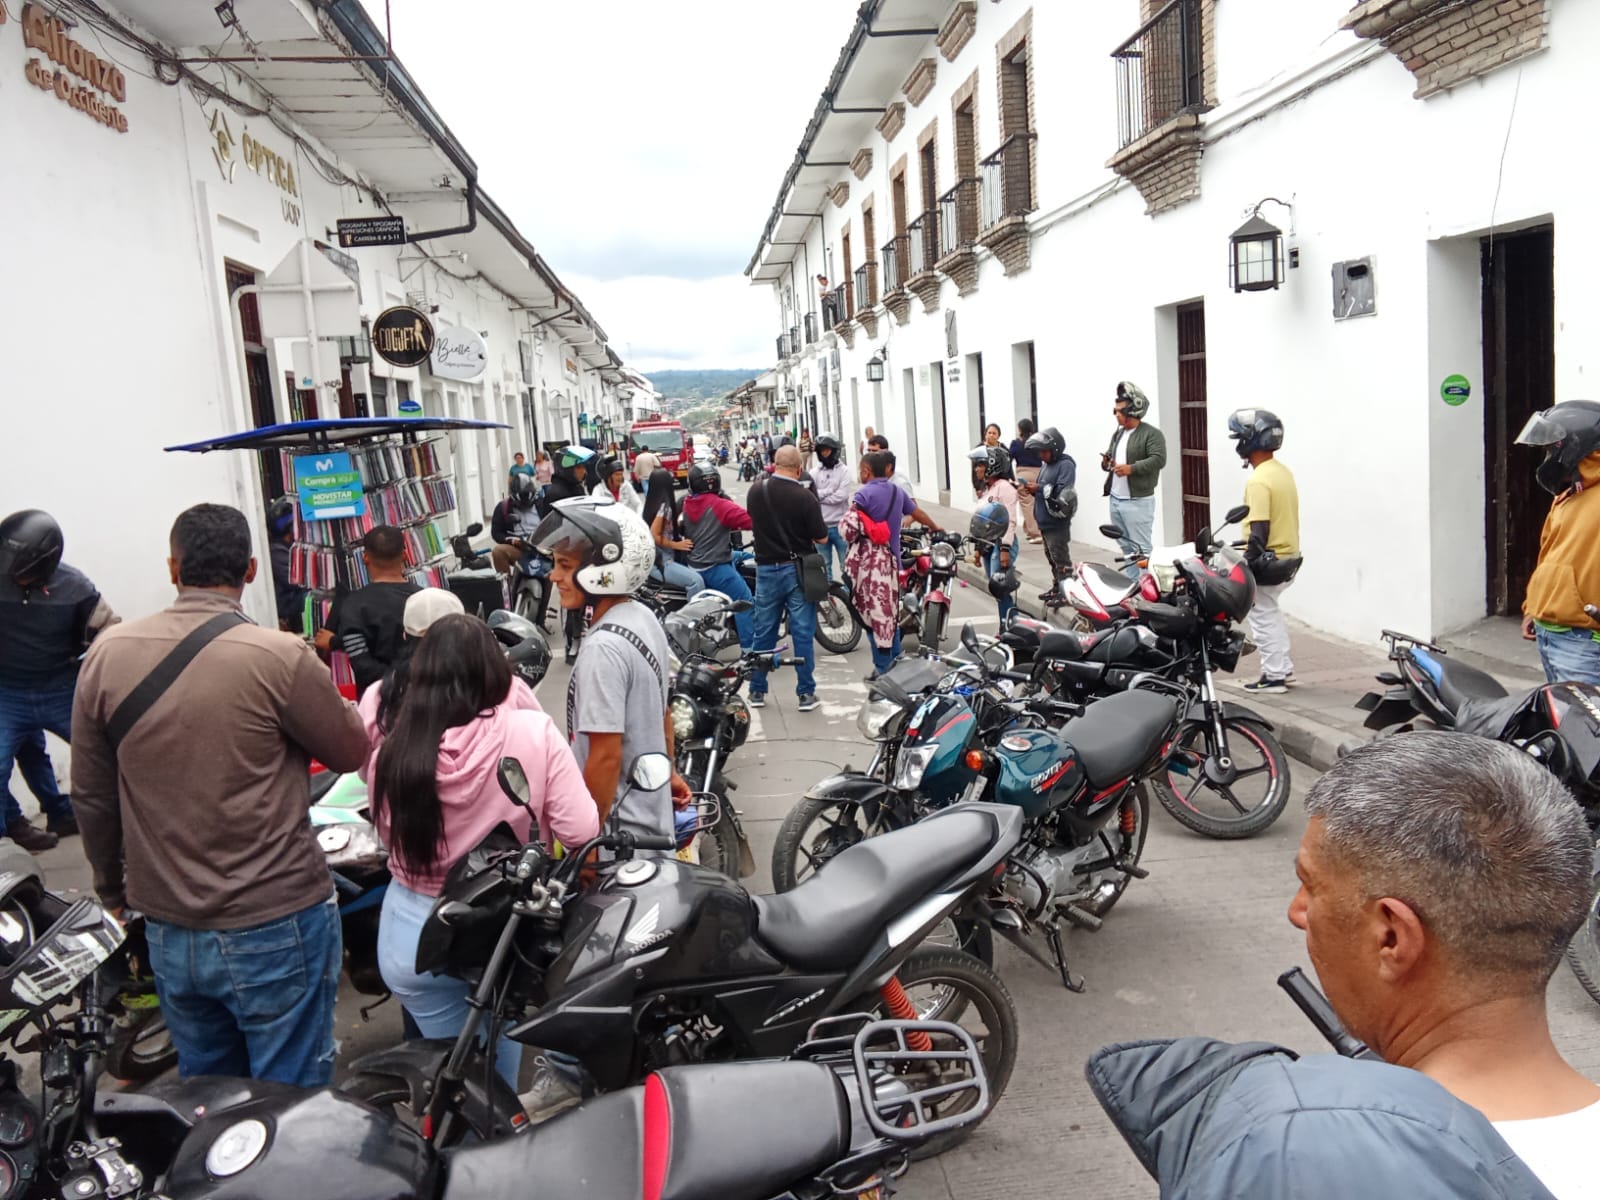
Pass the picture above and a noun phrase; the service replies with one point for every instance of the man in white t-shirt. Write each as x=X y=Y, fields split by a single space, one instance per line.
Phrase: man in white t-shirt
x=1441 y=878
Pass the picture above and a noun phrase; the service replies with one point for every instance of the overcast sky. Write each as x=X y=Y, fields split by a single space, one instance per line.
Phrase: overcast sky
x=637 y=144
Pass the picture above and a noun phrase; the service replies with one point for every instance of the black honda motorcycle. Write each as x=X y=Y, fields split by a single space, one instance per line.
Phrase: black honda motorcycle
x=1558 y=724
x=662 y=963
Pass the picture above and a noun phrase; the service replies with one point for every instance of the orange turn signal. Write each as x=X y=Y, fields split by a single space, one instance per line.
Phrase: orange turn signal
x=975 y=759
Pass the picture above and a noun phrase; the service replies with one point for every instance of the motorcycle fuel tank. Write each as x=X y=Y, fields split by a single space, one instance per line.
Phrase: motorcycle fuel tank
x=941 y=729
x=1038 y=771
x=705 y=920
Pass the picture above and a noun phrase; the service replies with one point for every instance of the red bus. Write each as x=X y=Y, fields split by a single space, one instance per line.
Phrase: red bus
x=667 y=441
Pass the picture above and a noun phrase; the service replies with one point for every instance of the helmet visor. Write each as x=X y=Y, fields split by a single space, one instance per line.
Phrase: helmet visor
x=573 y=526
x=1542 y=430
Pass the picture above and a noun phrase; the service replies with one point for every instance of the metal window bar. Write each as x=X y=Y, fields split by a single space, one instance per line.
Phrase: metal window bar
x=958 y=217
x=923 y=238
x=896 y=263
x=783 y=345
x=811 y=327
x=866 y=286
x=1006 y=180
x=835 y=309
x=794 y=339
x=1160 y=73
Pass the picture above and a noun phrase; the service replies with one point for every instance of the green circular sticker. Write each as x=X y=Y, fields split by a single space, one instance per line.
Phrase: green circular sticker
x=1455 y=390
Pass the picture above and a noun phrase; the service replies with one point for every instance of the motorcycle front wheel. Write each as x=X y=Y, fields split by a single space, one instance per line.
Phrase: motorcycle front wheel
x=944 y=985
x=1583 y=951
x=1239 y=809
x=141 y=1047
x=838 y=623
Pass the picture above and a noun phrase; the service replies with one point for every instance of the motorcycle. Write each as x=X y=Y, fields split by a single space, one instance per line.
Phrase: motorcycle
x=1078 y=785
x=838 y=623
x=661 y=963
x=1224 y=751
x=1558 y=724
x=474 y=578
x=927 y=573
x=749 y=466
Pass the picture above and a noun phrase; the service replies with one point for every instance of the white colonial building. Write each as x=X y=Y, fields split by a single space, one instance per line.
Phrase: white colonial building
x=164 y=155
x=1002 y=208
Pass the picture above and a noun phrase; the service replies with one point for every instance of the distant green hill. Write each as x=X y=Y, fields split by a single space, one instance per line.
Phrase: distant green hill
x=699 y=385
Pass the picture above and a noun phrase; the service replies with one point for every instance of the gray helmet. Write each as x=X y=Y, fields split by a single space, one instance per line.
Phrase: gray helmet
x=1255 y=429
x=526 y=648
x=1004 y=582
x=1138 y=402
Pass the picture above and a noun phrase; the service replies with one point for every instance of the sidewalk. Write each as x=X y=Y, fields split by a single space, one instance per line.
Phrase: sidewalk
x=1317 y=714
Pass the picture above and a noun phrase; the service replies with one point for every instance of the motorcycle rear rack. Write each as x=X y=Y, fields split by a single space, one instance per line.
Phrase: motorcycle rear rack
x=905 y=1118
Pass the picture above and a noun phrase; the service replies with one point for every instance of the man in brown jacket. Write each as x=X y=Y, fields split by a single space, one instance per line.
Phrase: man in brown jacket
x=197 y=816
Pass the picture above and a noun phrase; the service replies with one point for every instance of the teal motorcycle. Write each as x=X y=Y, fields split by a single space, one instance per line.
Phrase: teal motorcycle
x=1079 y=781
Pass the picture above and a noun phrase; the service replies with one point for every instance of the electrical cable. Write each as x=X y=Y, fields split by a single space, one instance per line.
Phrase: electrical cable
x=1500 y=175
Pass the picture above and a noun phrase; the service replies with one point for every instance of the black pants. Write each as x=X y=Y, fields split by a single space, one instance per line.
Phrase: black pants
x=1058 y=549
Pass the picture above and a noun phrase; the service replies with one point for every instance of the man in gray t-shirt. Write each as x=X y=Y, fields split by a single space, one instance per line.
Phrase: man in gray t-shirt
x=615 y=690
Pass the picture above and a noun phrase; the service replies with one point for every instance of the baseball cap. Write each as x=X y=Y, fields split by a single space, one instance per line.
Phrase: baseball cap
x=427 y=606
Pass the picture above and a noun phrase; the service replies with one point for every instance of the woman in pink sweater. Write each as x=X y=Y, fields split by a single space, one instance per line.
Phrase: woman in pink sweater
x=435 y=795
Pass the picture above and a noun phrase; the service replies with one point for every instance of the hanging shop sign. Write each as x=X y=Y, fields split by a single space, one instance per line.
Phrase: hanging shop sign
x=372 y=231
x=101 y=77
x=569 y=369
x=329 y=487
x=402 y=336
x=458 y=353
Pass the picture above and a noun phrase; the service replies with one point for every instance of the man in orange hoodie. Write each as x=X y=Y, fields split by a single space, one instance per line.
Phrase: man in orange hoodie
x=1567 y=578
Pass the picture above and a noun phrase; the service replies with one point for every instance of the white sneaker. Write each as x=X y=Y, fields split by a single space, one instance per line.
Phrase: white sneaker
x=551 y=1092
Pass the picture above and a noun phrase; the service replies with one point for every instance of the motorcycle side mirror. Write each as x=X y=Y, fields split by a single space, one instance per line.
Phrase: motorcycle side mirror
x=1202 y=540
x=475 y=529
x=514 y=782
x=1111 y=531
x=969 y=639
x=1236 y=514
x=651 y=772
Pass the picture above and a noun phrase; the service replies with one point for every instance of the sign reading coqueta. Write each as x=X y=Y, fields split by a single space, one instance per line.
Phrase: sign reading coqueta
x=402 y=336
x=42 y=32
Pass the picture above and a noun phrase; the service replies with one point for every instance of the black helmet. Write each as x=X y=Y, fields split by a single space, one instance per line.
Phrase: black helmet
x=280 y=516
x=1047 y=439
x=527 y=649
x=30 y=547
x=1003 y=582
x=995 y=461
x=1255 y=429
x=702 y=479
x=524 y=491
x=827 y=442
x=1569 y=433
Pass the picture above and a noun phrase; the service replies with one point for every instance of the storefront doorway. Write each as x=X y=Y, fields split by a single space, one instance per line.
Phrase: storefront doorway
x=1194 y=446
x=1519 y=379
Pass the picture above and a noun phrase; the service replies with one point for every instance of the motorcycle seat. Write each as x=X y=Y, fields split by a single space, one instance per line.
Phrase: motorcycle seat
x=1102 y=646
x=1108 y=580
x=829 y=921
x=1117 y=735
x=720 y=1129
x=1458 y=682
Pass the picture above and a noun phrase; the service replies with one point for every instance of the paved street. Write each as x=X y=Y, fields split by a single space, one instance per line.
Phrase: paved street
x=1194 y=949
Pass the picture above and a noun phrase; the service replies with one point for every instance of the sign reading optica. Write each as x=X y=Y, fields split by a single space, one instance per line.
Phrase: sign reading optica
x=1455 y=390
x=402 y=336
x=329 y=487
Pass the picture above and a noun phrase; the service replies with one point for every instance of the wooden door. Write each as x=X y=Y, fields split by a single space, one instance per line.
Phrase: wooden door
x=1193 y=446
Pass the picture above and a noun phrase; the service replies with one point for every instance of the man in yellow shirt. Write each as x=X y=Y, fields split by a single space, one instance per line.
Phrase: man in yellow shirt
x=1568 y=575
x=1273 y=527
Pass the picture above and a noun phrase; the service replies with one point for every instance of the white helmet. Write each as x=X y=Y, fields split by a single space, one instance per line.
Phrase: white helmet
x=612 y=540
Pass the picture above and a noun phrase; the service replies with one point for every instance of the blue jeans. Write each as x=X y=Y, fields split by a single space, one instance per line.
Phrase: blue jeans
x=24 y=718
x=33 y=760
x=1136 y=517
x=437 y=1003
x=777 y=589
x=1571 y=657
x=882 y=660
x=252 y=1002
x=725 y=578
x=1007 y=602
x=679 y=576
x=836 y=545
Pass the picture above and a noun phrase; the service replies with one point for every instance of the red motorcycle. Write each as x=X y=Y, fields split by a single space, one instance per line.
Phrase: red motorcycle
x=927 y=574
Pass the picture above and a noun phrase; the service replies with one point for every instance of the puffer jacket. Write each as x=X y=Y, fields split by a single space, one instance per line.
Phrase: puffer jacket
x=1214 y=1121
x=1568 y=574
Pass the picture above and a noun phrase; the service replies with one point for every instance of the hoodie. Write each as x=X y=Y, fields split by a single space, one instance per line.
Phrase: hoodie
x=469 y=787
x=1568 y=574
x=833 y=490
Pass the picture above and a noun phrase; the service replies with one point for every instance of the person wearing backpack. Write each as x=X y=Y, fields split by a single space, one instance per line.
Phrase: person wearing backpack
x=877 y=511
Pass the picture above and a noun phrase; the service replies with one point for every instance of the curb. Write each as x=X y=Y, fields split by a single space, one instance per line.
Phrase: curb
x=1304 y=739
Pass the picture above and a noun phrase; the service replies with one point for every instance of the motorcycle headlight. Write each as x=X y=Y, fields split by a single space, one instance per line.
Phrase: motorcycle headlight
x=943 y=555
x=911 y=766
x=685 y=716
x=874 y=718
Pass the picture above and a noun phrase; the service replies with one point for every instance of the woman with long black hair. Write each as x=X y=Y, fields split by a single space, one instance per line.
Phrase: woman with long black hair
x=661 y=514
x=435 y=795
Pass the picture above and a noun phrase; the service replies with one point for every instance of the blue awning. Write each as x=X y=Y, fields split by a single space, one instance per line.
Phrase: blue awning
x=330 y=432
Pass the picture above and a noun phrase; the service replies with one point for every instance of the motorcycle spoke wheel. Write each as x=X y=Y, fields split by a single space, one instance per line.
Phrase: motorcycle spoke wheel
x=814 y=832
x=838 y=627
x=1241 y=808
x=141 y=1048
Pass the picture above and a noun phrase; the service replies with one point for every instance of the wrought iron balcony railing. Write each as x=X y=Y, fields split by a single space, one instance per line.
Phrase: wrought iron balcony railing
x=1160 y=72
x=1007 y=180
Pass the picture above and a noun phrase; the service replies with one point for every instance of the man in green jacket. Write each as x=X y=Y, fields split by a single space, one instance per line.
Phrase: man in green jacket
x=1132 y=464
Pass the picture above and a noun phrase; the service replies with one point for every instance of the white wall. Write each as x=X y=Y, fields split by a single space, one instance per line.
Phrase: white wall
x=1390 y=478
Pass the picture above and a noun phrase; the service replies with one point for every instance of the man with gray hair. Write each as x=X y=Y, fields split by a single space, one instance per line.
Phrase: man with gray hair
x=1441 y=878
